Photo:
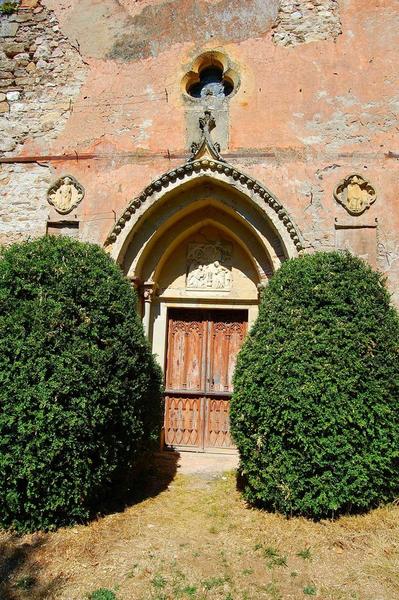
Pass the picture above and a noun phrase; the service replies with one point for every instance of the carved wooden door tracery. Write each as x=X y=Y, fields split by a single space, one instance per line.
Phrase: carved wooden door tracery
x=201 y=355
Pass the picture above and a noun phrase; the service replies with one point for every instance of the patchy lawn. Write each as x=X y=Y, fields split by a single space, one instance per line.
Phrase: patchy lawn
x=193 y=537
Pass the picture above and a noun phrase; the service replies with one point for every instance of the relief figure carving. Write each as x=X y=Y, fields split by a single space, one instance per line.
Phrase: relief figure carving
x=65 y=194
x=356 y=194
x=209 y=266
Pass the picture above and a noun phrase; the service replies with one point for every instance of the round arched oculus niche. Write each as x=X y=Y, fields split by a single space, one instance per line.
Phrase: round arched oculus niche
x=211 y=76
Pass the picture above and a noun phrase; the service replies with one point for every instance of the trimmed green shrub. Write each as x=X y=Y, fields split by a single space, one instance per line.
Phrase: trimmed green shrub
x=79 y=387
x=316 y=391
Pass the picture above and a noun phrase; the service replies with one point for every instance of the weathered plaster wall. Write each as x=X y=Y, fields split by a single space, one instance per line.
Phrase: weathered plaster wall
x=127 y=30
x=41 y=76
x=23 y=205
x=307 y=21
x=318 y=100
x=41 y=73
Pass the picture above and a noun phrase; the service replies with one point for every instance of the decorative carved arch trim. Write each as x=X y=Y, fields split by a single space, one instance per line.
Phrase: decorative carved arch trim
x=187 y=228
x=221 y=170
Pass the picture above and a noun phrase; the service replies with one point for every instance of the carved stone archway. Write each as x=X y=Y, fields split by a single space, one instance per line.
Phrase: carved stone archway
x=205 y=163
x=206 y=191
x=199 y=243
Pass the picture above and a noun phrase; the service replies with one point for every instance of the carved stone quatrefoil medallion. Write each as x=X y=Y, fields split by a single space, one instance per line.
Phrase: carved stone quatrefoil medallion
x=65 y=194
x=356 y=194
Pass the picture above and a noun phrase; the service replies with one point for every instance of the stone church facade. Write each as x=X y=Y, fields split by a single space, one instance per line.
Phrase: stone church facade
x=202 y=143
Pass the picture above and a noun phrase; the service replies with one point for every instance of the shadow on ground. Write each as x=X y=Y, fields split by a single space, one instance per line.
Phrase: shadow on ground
x=19 y=559
x=19 y=571
x=147 y=480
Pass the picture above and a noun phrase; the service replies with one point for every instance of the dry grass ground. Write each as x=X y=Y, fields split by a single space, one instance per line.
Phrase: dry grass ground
x=197 y=539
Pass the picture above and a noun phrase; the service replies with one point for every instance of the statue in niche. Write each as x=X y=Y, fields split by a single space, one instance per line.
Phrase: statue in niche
x=65 y=194
x=209 y=266
x=355 y=194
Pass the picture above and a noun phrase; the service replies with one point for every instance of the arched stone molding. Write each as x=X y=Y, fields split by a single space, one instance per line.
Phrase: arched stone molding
x=195 y=174
x=204 y=203
x=170 y=274
x=151 y=261
x=160 y=234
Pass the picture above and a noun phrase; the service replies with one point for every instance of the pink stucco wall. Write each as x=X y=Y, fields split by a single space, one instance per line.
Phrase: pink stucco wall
x=305 y=115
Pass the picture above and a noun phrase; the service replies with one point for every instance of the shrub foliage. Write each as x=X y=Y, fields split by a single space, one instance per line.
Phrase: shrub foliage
x=316 y=390
x=79 y=388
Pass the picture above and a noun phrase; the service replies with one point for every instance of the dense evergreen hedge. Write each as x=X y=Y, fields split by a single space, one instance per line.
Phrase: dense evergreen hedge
x=79 y=388
x=315 y=410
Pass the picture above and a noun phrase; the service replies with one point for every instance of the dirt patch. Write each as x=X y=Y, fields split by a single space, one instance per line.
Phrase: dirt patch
x=202 y=542
x=204 y=464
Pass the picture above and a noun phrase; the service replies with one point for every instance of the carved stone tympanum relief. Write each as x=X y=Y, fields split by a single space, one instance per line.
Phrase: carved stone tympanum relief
x=209 y=266
x=356 y=194
x=65 y=194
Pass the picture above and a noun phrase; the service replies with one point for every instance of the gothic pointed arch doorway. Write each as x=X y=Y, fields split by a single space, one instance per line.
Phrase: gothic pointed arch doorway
x=207 y=292
x=199 y=243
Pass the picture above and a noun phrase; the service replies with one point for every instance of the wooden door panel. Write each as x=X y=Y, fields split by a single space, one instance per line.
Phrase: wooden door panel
x=238 y=332
x=201 y=356
x=183 y=421
x=185 y=360
x=227 y=333
x=217 y=426
x=218 y=359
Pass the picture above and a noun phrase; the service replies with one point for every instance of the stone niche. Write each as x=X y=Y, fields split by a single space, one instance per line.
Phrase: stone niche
x=359 y=239
x=209 y=83
x=66 y=228
x=207 y=265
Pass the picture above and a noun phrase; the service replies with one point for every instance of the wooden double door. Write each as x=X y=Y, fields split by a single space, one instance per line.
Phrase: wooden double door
x=201 y=355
